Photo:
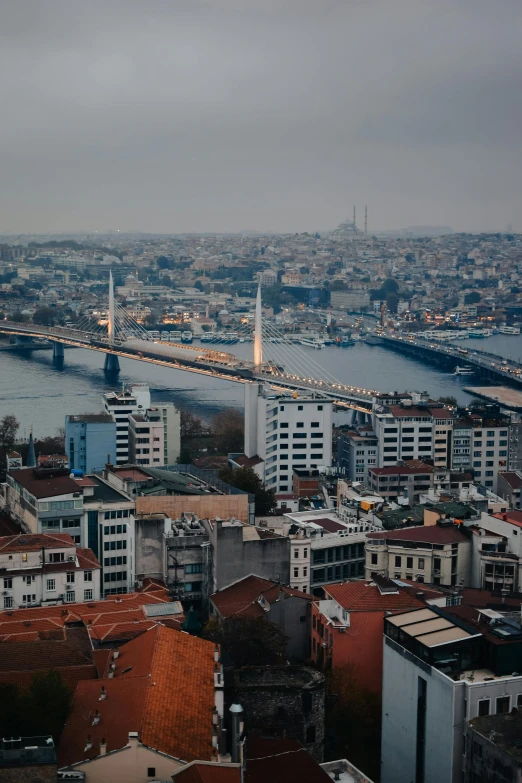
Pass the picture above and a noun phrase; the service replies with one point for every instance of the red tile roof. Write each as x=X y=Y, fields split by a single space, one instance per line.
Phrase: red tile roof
x=207 y=773
x=328 y=524
x=121 y=617
x=429 y=534
x=513 y=517
x=163 y=688
x=513 y=479
x=281 y=761
x=399 y=412
x=241 y=598
x=247 y=462
x=366 y=597
x=42 y=487
x=33 y=541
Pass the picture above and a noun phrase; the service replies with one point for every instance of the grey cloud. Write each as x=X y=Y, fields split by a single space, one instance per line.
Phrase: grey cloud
x=201 y=116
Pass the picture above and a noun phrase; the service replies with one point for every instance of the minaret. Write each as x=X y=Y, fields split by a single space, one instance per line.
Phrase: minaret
x=366 y=221
x=31 y=456
x=258 y=331
x=111 y=309
x=354 y=220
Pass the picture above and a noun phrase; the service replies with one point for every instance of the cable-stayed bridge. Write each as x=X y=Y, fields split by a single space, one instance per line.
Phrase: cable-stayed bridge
x=277 y=359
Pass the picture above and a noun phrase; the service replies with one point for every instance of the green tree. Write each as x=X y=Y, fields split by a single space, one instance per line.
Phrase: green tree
x=41 y=710
x=248 y=480
x=392 y=301
x=228 y=428
x=248 y=641
x=45 y=316
x=472 y=298
x=450 y=402
x=8 y=428
x=19 y=317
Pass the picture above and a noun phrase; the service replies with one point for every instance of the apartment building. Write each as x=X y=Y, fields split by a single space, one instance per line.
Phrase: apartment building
x=407 y=481
x=287 y=431
x=108 y=528
x=45 y=499
x=146 y=438
x=482 y=438
x=46 y=569
x=90 y=441
x=357 y=451
x=134 y=398
x=437 y=554
x=442 y=667
x=404 y=432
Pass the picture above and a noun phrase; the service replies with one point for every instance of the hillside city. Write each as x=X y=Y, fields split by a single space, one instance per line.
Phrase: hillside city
x=311 y=588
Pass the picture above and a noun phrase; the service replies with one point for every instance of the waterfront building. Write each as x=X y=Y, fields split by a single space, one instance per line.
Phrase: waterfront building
x=146 y=438
x=287 y=431
x=90 y=441
x=134 y=398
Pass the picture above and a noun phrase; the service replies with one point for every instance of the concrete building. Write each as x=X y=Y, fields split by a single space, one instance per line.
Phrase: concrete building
x=352 y=301
x=442 y=668
x=483 y=438
x=492 y=747
x=132 y=399
x=357 y=452
x=41 y=569
x=170 y=417
x=437 y=554
x=287 y=432
x=406 y=481
x=284 y=701
x=90 y=441
x=256 y=598
x=404 y=432
x=509 y=484
x=45 y=500
x=28 y=759
x=146 y=439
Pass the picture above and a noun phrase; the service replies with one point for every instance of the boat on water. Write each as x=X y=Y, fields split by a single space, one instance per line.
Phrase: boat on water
x=206 y=338
x=477 y=333
x=463 y=371
x=312 y=343
x=509 y=329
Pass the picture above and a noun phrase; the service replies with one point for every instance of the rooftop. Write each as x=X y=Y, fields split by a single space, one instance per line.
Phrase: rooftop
x=44 y=484
x=365 y=596
x=27 y=751
x=502 y=730
x=428 y=534
x=402 y=470
x=281 y=761
x=92 y=418
x=246 y=597
x=513 y=479
x=33 y=542
x=208 y=772
x=429 y=628
x=162 y=688
x=105 y=492
x=513 y=517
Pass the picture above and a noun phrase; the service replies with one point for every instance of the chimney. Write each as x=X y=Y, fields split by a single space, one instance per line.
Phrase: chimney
x=237 y=731
x=133 y=739
x=96 y=718
x=115 y=655
x=103 y=694
x=103 y=746
x=88 y=743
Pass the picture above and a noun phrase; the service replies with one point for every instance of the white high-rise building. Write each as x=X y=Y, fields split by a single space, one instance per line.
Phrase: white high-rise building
x=170 y=417
x=134 y=398
x=287 y=431
x=146 y=438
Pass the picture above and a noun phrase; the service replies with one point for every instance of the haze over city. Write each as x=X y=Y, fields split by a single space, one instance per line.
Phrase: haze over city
x=212 y=117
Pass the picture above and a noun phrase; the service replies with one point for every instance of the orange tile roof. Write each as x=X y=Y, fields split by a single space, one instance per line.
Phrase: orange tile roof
x=241 y=598
x=366 y=597
x=162 y=687
x=34 y=541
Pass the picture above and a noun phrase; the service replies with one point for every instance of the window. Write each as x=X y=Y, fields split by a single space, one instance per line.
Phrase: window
x=519 y=701
x=296 y=553
x=299 y=407
x=316 y=456
x=503 y=704
x=29 y=599
x=70 y=577
x=87 y=595
x=305 y=571
x=193 y=568
x=284 y=425
x=51 y=585
x=483 y=707
x=299 y=434
x=70 y=597
x=490 y=453
x=8 y=602
x=490 y=443
x=151 y=772
x=319 y=407
x=56 y=557
x=421 y=564
x=87 y=576
x=305 y=553
x=8 y=583
x=398 y=561
x=490 y=434
x=296 y=573
x=374 y=558
x=409 y=562
x=314 y=424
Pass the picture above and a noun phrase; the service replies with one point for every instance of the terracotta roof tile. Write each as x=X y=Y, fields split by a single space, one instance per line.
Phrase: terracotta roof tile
x=241 y=598
x=33 y=541
x=281 y=761
x=366 y=596
x=207 y=773
x=163 y=688
x=42 y=487
x=429 y=534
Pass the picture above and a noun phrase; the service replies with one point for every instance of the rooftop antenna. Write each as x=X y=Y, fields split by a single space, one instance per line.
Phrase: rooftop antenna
x=366 y=220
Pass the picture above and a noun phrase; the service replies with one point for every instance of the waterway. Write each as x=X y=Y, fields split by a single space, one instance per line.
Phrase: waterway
x=39 y=393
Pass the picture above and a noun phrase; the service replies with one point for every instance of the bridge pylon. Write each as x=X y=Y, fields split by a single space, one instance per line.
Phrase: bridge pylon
x=58 y=351
x=112 y=363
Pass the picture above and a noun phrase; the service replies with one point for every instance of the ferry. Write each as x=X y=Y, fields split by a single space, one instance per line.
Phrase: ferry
x=186 y=337
x=206 y=338
x=312 y=343
x=477 y=333
x=175 y=337
x=463 y=371
x=509 y=329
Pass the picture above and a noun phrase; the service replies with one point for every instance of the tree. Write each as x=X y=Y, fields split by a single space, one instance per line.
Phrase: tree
x=392 y=302
x=45 y=316
x=248 y=641
x=228 y=427
x=41 y=710
x=472 y=298
x=449 y=402
x=191 y=426
x=248 y=480
x=8 y=428
x=19 y=317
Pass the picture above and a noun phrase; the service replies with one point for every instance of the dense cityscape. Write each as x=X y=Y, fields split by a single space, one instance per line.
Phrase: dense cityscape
x=260 y=392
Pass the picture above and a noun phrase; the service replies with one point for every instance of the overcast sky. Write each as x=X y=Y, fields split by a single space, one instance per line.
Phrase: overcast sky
x=227 y=115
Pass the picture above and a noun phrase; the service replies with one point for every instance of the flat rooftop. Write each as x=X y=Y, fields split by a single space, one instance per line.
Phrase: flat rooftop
x=504 y=396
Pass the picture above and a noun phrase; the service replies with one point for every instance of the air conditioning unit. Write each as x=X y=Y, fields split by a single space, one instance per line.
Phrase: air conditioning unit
x=71 y=558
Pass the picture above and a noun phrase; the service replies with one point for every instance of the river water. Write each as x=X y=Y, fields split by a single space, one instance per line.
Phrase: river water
x=40 y=394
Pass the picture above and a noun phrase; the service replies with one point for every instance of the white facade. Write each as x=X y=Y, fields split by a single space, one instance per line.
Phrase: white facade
x=170 y=417
x=489 y=454
x=132 y=399
x=287 y=432
x=146 y=439
x=40 y=570
x=404 y=437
